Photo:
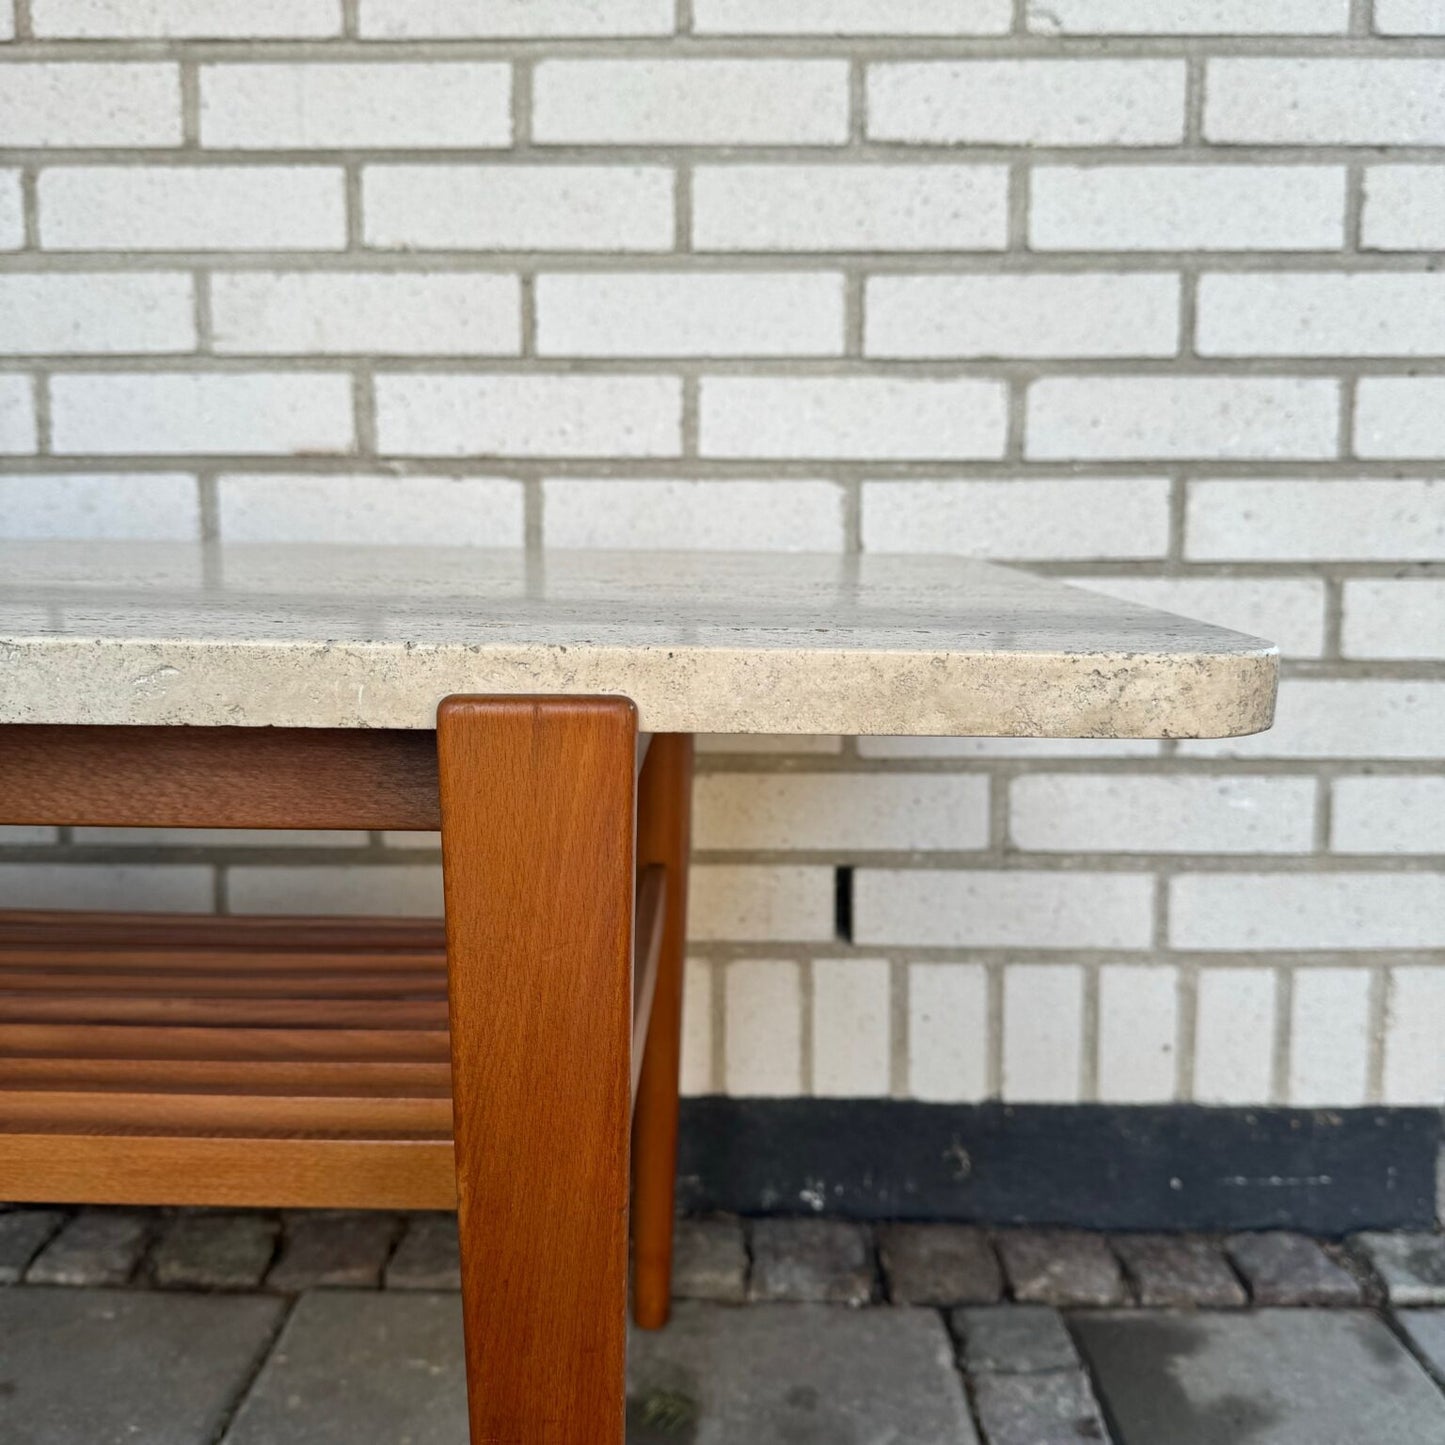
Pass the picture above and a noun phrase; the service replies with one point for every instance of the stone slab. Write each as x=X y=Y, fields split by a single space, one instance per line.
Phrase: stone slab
x=152 y=633
x=826 y=1261
x=1052 y=1409
x=709 y=1260
x=1290 y=1269
x=1060 y=1267
x=1412 y=1266
x=23 y=1232
x=334 y=1251
x=429 y=1255
x=1013 y=1340
x=1270 y=1377
x=1168 y=1271
x=1425 y=1329
x=109 y=1367
x=355 y=1368
x=939 y=1264
x=215 y=1251
x=98 y=1247
x=796 y=1375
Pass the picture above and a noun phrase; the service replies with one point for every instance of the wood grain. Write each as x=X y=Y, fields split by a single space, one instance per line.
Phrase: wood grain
x=538 y=799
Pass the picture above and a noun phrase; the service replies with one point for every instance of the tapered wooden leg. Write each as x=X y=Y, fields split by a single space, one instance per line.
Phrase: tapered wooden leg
x=664 y=809
x=537 y=802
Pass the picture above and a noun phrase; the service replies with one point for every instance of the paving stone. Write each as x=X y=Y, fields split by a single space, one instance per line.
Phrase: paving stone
x=709 y=1260
x=1291 y=1269
x=816 y=1260
x=1013 y=1340
x=22 y=1234
x=939 y=1264
x=355 y=1368
x=97 y=1247
x=1266 y=1377
x=1060 y=1267
x=334 y=1251
x=111 y=1367
x=1411 y=1265
x=1052 y=1409
x=215 y=1251
x=429 y=1255
x=796 y=1374
x=1173 y=1272
x=1426 y=1332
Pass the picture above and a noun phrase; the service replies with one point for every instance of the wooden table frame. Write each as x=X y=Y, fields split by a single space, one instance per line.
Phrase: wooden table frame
x=564 y=845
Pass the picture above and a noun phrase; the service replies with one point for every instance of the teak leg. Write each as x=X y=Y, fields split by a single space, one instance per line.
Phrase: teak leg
x=537 y=802
x=664 y=809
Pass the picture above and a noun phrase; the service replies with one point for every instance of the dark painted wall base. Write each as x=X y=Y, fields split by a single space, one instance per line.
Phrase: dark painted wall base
x=1171 y=1167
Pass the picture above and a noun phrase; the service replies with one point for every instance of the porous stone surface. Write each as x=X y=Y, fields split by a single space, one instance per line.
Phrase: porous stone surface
x=1281 y=1268
x=1053 y=1409
x=334 y=1251
x=1412 y=1266
x=1425 y=1329
x=938 y=1264
x=1168 y=1271
x=215 y=1251
x=22 y=1234
x=429 y=1255
x=709 y=1260
x=1060 y=1267
x=826 y=1261
x=1013 y=1340
x=97 y=1247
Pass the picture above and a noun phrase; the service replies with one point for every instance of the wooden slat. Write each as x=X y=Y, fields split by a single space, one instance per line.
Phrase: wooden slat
x=361 y=1078
x=244 y=983
x=46 y=927
x=226 y=1013
x=225 y=962
x=122 y=1041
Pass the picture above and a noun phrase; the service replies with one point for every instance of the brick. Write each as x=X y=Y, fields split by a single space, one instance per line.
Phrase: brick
x=18 y=433
x=1130 y=418
x=56 y=104
x=513 y=19
x=1020 y=518
x=762 y=1049
x=1289 y=1269
x=1027 y=102
x=7 y=21
x=192 y=208
x=1053 y=1409
x=1060 y=1267
x=184 y=19
x=528 y=415
x=12 y=212
x=1173 y=1273
x=980 y=908
x=1138 y=1034
x=697 y=1022
x=1186 y=208
x=852 y=17
x=938 y=1265
x=1395 y=314
x=1043 y=1033
x=429 y=1255
x=403 y=890
x=709 y=1260
x=215 y=1251
x=749 y=902
x=850 y=208
x=1234 y=1036
x=1388 y=815
x=1241 y=911
x=1189 y=17
x=258 y=412
x=825 y=1261
x=690 y=102
x=1400 y=416
x=1014 y=1340
x=837 y=812
x=334 y=1250
x=162 y=507
x=1409 y=17
x=1074 y=813
x=1329 y=1036
x=737 y=514
x=108 y=887
x=1378 y=519
x=1279 y=101
x=400 y=511
x=852 y=1027
x=1288 y=611
x=868 y=418
x=89 y=314
x=1103 y=314
x=23 y=1233
x=618 y=314
x=948 y=1029
x=330 y=105
x=1414 y=1060
x=1412 y=1266
x=95 y=1248
x=1404 y=209
x=518 y=208
x=1388 y=618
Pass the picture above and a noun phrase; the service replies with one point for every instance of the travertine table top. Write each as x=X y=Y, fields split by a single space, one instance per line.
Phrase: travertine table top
x=312 y=636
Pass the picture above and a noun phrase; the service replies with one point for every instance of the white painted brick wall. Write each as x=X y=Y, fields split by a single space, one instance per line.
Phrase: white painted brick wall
x=1143 y=296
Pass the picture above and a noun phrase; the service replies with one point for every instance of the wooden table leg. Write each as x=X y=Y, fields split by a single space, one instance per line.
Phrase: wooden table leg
x=538 y=854
x=664 y=811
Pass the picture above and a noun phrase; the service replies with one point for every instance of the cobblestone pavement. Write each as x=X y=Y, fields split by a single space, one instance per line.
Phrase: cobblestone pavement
x=130 y=1327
